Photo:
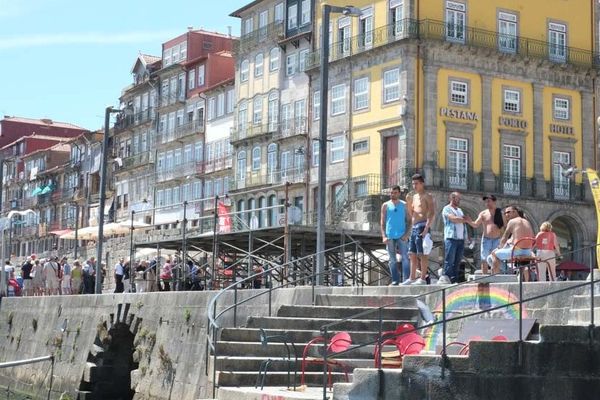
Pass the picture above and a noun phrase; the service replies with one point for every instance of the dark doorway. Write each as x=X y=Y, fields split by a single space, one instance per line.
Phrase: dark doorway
x=390 y=160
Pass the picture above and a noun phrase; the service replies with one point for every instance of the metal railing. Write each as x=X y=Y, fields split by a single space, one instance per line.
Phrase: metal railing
x=445 y=320
x=18 y=363
x=139 y=159
x=564 y=190
x=429 y=29
x=277 y=129
x=274 y=177
x=129 y=121
x=252 y=39
x=178 y=132
x=178 y=171
x=215 y=164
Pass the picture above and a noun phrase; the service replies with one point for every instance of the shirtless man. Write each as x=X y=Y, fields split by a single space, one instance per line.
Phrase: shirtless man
x=492 y=221
x=517 y=228
x=421 y=209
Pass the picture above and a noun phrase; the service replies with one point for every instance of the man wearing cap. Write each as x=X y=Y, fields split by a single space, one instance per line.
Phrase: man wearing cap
x=492 y=221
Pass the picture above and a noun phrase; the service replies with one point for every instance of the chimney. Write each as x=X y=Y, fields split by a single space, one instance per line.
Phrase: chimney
x=229 y=30
x=190 y=28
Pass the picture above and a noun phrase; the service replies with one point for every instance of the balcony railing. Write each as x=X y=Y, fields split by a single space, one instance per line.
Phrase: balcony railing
x=130 y=121
x=275 y=177
x=172 y=98
x=252 y=39
x=514 y=185
x=178 y=171
x=140 y=159
x=457 y=179
x=181 y=131
x=214 y=165
x=564 y=190
x=277 y=130
x=438 y=30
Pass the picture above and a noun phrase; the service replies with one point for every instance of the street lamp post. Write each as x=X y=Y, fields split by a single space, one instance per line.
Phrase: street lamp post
x=103 y=166
x=323 y=94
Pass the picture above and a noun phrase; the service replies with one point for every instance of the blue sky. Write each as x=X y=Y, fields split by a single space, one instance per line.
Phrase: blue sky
x=67 y=60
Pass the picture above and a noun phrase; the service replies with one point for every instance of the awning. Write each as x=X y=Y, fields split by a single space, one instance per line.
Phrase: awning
x=46 y=190
x=36 y=191
x=61 y=232
x=572 y=266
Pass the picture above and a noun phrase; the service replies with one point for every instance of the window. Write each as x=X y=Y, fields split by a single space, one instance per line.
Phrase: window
x=256 y=159
x=316 y=105
x=561 y=183
x=361 y=93
x=397 y=16
x=248 y=26
x=292 y=22
x=201 y=75
x=458 y=161
x=512 y=101
x=273 y=111
x=303 y=55
x=300 y=116
x=337 y=149
x=271 y=162
x=511 y=169
x=366 y=27
x=338 y=99
x=344 y=37
x=286 y=118
x=455 y=21
x=459 y=93
x=258 y=64
x=391 y=85
x=315 y=153
x=360 y=146
x=220 y=104
x=279 y=12
x=245 y=65
x=242 y=118
x=230 y=100
x=305 y=19
x=507 y=32
x=274 y=59
x=285 y=164
x=272 y=210
x=557 y=39
x=241 y=166
x=191 y=79
x=211 y=108
x=208 y=188
x=263 y=20
x=257 y=111
x=561 y=108
x=291 y=63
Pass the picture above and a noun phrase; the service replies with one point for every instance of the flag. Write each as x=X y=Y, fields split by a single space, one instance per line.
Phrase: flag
x=224 y=217
x=595 y=186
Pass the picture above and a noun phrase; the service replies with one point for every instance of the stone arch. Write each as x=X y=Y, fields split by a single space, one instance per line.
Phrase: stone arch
x=572 y=234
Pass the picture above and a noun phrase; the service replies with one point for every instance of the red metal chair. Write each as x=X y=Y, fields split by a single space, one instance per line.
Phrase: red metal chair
x=339 y=342
x=524 y=262
x=464 y=351
x=404 y=339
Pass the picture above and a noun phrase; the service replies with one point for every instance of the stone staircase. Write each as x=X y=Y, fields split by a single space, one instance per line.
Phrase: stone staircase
x=579 y=313
x=240 y=351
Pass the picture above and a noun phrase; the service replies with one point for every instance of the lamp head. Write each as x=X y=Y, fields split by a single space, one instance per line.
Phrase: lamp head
x=352 y=11
x=568 y=171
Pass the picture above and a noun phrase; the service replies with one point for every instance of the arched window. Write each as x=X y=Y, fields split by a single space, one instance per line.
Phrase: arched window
x=242 y=119
x=258 y=64
x=244 y=66
x=241 y=207
x=273 y=111
x=256 y=158
x=251 y=214
x=262 y=214
x=274 y=59
x=241 y=168
x=272 y=219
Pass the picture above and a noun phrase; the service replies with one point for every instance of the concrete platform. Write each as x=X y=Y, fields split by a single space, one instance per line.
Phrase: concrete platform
x=279 y=393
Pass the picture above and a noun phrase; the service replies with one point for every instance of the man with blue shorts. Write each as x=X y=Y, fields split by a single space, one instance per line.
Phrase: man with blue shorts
x=492 y=221
x=395 y=222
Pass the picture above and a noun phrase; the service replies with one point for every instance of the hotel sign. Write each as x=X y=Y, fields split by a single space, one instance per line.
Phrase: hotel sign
x=562 y=129
x=512 y=122
x=459 y=114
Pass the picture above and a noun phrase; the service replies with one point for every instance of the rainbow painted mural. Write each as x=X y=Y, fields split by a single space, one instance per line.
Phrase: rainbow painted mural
x=473 y=298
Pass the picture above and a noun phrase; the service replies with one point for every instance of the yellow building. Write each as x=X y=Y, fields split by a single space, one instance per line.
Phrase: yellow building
x=477 y=96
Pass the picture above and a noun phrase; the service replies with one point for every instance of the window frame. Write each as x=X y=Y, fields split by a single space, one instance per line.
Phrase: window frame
x=339 y=101
x=556 y=110
x=387 y=87
x=452 y=92
x=364 y=103
x=337 y=151
x=244 y=70
x=508 y=102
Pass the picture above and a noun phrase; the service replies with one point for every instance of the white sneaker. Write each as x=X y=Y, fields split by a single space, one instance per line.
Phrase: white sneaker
x=394 y=283
x=408 y=282
x=444 y=280
x=419 y=282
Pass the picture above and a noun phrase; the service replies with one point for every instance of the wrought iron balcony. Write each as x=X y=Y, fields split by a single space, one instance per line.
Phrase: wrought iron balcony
x=249 y=41
x=178 y=171
x=138 y=160
x=275 y=177
x=277 y=130
x=214 y=165
x=438 y=30
x=181 y=131
x=565 y=190
x=130 y=121
x=172 y=98
x=514 y=185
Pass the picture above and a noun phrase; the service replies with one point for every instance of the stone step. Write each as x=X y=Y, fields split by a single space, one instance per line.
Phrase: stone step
x=582 y=302
x=296 y=336
x=342 y=300
x=276 y=378
x=317 y=323
x=271 y=392
x=237 y=363
x=582 y=317
x=339 y=312
x=278 y=350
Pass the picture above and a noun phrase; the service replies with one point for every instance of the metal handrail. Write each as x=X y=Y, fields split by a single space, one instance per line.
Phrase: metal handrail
x=325 y=328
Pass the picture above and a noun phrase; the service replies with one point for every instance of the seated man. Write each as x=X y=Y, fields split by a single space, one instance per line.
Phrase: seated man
x=517 y=228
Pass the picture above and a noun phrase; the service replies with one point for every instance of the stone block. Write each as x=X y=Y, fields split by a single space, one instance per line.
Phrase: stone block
x=567 y=333
x=494 y=357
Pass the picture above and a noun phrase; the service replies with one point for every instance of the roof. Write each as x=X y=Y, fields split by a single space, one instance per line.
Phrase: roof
x=41 y=137
x=60 y=147
x=219 y=34
x=43 y=122
x=149 y=59
x=216 y=85
x=237 y=12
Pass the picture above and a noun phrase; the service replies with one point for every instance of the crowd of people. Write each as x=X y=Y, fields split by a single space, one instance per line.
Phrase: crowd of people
x=507 y=235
